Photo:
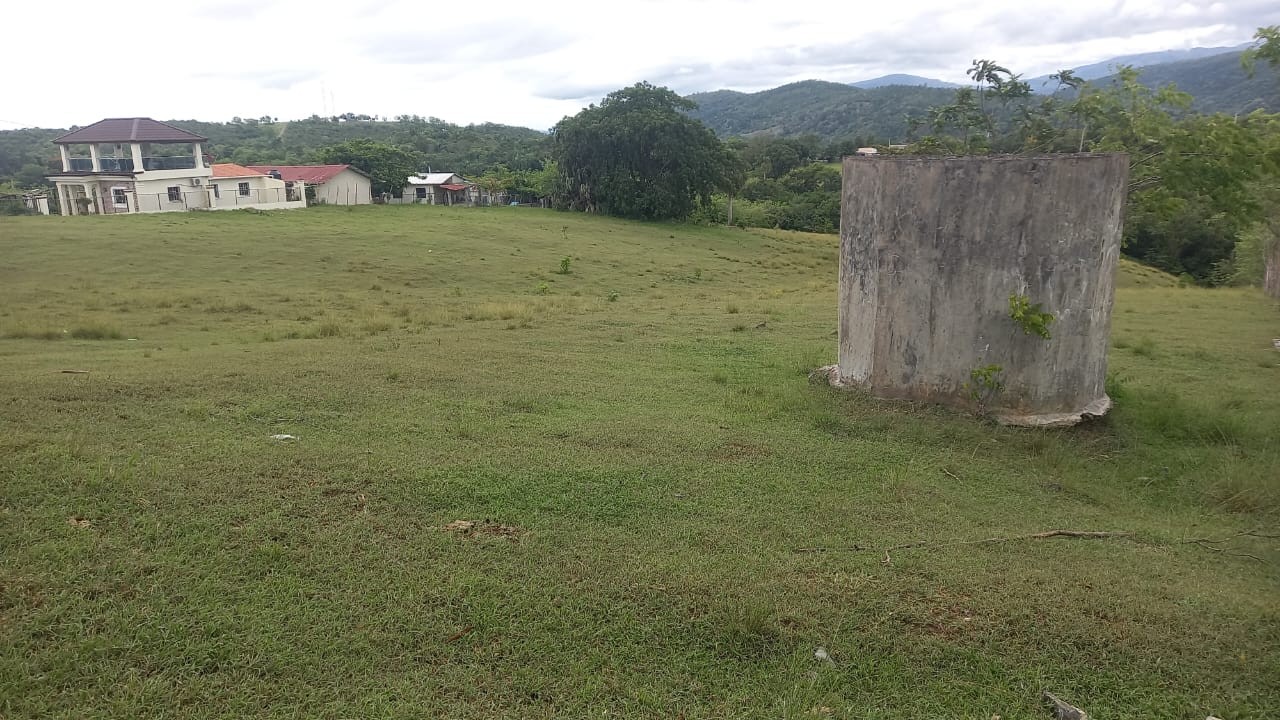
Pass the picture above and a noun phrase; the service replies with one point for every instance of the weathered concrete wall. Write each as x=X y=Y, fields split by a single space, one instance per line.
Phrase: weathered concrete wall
x=1271 y=280
x=932 y=248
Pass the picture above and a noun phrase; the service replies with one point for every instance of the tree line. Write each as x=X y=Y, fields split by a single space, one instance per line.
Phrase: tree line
x=1204 y=193
x=1203 y=198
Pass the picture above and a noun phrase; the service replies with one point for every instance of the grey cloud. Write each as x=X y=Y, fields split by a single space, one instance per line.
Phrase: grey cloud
x=949 y=41
x=1064 y=24
x=485 y=43
x=567 y=90
x=271 y=79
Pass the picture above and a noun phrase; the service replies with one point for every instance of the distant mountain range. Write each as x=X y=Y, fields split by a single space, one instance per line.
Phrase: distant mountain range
x=876 y=109
x=902 y=79
x=827 y=109
x=1098 y=70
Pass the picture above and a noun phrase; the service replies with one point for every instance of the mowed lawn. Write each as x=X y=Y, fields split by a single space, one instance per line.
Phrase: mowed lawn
x=670 y=518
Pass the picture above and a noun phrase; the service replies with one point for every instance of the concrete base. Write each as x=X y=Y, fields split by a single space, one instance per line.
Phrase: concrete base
x=1096 y=409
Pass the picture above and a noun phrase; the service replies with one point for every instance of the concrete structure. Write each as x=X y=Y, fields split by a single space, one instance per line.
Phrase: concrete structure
x=932 y=249
x=1271 y=276
x=120 y=166
x=34 y=202
x=236 y=187
x=330 y=184
x=440 y=188
x=128 y=165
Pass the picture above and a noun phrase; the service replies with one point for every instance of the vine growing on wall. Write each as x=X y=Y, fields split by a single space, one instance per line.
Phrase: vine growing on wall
x=1029 y=316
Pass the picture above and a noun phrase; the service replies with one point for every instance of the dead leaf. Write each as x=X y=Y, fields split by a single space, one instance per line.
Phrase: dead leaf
x=460 y=634
x=75 y=521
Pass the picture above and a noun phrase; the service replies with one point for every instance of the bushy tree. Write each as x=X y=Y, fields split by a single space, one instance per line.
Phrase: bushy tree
x=637 y=154
x=387 y=165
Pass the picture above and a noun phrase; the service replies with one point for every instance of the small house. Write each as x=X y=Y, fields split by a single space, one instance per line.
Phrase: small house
x=441 y=188
x=237 y=186
x=331 y=184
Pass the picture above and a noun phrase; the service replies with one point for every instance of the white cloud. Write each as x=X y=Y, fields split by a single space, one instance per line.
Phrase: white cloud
x=532 y=63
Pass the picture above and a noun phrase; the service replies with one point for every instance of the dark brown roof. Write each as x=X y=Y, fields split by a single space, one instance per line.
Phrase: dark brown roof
x=116 y=130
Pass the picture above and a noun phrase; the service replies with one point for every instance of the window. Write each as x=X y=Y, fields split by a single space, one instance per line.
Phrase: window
x=421 y=193
x=217 y=192
x=244 y=189
x=175 y=193
x=120 y=197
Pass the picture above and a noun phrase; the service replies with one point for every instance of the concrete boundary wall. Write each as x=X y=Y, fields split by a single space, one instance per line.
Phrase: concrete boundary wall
x=931 y=249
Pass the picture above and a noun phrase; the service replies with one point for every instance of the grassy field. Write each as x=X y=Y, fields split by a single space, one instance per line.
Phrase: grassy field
x=645 y=462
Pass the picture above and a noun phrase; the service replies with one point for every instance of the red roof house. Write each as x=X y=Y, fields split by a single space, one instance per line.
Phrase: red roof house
x=332 y=184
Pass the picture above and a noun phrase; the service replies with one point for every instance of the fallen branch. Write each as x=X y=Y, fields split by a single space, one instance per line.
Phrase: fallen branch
x=1205 y=544
x=1242 y=533
x=1212 y=545
x=1084 y=534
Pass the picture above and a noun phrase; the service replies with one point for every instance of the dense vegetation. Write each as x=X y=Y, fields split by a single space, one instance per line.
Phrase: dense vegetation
x=1197 y=182
x=834 y=111
x=829 y=110
x=1218 y=84
x=637 y=155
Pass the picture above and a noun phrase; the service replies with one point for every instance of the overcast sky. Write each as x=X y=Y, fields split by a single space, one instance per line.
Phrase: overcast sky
x=531 y=63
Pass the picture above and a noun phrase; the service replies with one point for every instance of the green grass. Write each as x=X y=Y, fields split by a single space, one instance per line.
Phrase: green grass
x=649 y=464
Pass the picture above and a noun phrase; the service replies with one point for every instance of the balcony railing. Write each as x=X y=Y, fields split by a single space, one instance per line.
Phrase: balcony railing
x=176 y=162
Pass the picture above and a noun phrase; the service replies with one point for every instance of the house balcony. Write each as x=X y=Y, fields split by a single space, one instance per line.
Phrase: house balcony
x=108 y=164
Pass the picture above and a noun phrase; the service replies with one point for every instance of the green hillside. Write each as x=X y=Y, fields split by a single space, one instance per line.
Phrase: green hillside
x=1218 y=84
x=834 y=110
x=827 y=109
x=28 y=154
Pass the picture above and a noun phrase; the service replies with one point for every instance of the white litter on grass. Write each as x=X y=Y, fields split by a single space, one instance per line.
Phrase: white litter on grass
x=822 y=654
x=283 y=438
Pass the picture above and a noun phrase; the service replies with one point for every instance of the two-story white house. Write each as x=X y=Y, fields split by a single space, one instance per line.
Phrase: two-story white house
x=140 y=165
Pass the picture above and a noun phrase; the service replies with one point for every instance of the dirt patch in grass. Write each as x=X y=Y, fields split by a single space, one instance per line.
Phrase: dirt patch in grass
x=479 y=529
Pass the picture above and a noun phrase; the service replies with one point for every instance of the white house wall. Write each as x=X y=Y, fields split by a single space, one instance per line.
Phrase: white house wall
x=153 y=194
x=262 y=190
x=345 y=188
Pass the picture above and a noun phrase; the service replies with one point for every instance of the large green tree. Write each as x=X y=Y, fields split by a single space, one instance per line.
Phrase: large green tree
x=637 y=154
x=387 y=165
